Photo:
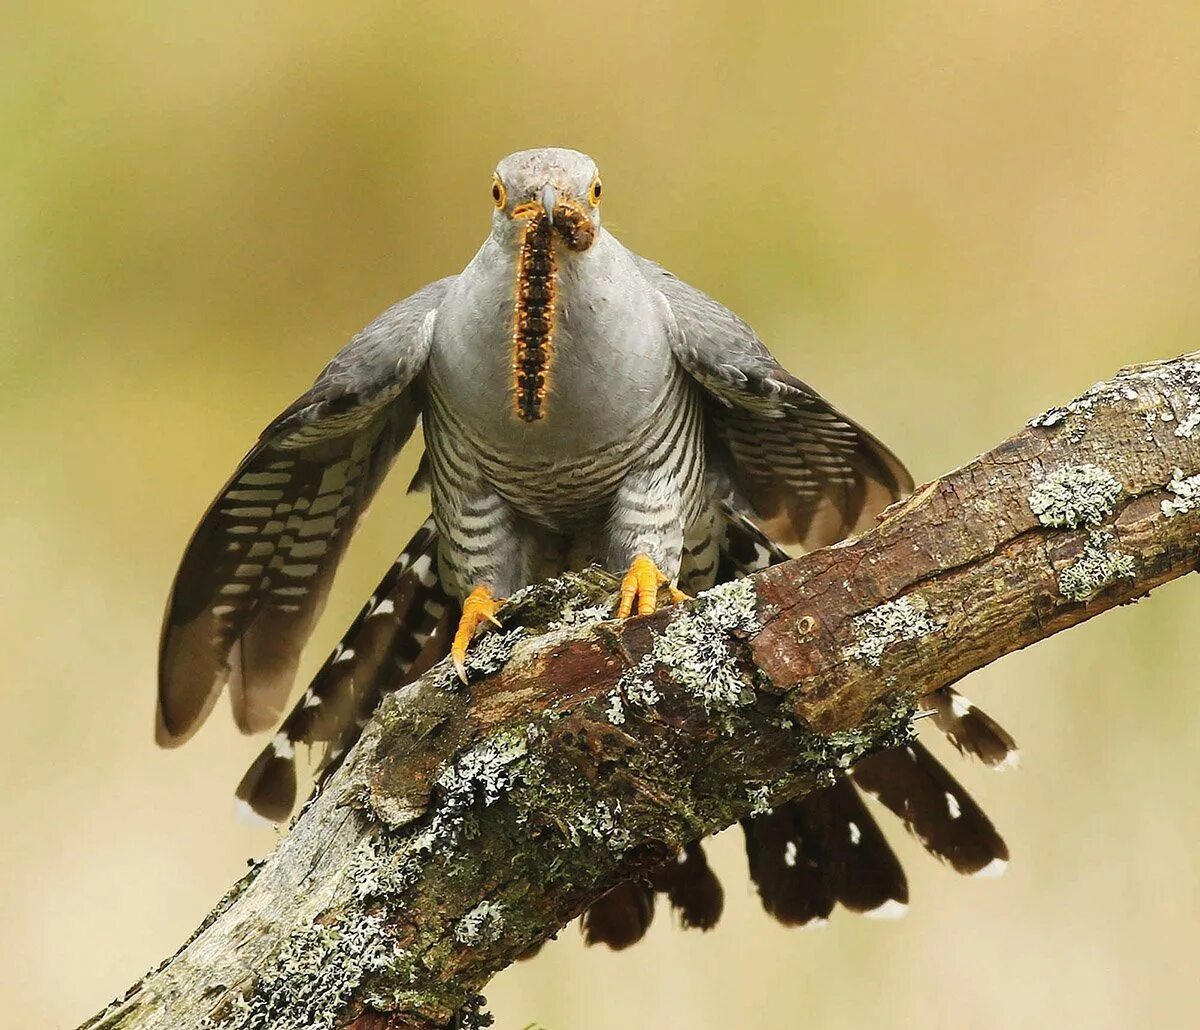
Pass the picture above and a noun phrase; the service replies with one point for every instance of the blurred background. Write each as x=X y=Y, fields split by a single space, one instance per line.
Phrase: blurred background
x=945 y=216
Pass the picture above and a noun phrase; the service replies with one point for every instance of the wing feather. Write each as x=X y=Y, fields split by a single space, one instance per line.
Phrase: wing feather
x=809 y=474
x=256 y=573
x=402 y=630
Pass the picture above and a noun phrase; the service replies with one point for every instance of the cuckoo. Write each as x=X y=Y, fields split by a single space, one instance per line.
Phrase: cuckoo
x=579 y=404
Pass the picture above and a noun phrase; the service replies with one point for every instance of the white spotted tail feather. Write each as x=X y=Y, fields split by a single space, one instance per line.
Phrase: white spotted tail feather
x=619 y=918
x=934 y=807
x=820 y=850
x=691 y=887
x=402 y=631
x=622 y=916
x=815 y=852
x=972 y=730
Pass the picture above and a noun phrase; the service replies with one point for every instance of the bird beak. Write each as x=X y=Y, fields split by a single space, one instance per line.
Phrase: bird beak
x=549 y=200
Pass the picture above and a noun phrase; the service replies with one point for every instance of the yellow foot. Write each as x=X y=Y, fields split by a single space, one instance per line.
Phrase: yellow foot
x=641 y=584
x=478 y=608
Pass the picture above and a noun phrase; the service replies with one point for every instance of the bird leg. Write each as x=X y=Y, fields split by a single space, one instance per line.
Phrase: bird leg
x=479 y=607
x=641 y=584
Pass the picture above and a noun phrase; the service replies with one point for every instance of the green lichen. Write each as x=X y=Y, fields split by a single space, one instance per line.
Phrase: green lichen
x=1074 y=496
x=569 y=600
x=1098 y=397
x=481 y=926
x=570 y=804
x=1189 y=423
x=384 y=868
x=1187 y=495
x=888 y=724
x=367 y=870
x=578 y=612
x=599 y=821
x=638 y=686
x=485 y=772
x=1097 y=567
x=482 y=775
x=1178 y=378
x=313 y=977
x=906 y=618
x=473 y=1015
x=759 y=798
x=488 y=655
x=478 y=777
x=1184 y=378
x=395 y=990
x=694 y=648
x=635 y=687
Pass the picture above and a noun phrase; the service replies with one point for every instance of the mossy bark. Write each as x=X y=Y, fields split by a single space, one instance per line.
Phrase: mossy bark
x=470 y=824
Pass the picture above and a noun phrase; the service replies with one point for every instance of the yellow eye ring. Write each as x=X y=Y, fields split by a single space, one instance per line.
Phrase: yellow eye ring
x=499 y=193
x=594 y=192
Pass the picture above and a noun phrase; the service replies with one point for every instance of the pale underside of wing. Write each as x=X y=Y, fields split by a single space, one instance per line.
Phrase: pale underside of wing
x=257 y=571
x=256 y=575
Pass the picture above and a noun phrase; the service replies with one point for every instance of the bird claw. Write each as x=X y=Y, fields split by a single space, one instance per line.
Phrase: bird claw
x=478 y=608
x=678 y=595
x=640 y=586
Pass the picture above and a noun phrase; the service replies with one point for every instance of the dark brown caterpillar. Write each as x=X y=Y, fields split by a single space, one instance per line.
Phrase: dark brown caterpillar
x=533 y=329
x=574 y=226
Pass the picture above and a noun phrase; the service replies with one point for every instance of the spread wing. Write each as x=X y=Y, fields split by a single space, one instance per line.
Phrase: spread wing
x=808 y=474
x=256 y=573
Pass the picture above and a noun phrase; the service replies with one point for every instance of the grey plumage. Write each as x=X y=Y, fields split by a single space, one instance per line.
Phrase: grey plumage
x=255 y=575
x=580 y=404
x=660 y=403
x=808 y=474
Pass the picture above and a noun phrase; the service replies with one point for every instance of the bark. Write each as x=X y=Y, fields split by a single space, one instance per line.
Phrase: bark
x=470 y=824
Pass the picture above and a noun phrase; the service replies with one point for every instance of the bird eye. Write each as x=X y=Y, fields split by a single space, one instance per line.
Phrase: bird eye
x=594 y=192
x=499 y=194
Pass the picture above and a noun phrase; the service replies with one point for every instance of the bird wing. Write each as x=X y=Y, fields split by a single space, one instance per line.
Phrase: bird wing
x=403 y=630
x=256 y=573
x=809 y=474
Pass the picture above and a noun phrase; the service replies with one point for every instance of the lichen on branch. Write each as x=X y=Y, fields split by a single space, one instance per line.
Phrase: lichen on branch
x=469 y=825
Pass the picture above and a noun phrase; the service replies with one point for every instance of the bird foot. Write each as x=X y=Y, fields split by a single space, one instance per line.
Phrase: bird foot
x=479 y=607
x=640 y=586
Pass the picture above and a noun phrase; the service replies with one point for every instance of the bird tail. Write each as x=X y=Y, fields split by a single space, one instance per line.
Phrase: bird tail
x=806 y=856
x=815 y=852
x=403 y=630
x=623 y=915
x=820 y=850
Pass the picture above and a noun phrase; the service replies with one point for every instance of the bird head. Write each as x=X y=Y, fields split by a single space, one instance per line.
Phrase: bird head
x=562 y=186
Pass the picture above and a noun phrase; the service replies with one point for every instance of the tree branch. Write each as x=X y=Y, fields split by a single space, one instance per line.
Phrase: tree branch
x=469 y=825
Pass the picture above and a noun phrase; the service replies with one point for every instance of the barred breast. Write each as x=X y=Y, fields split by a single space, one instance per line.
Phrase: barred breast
x=560 y=492
x=559 y=426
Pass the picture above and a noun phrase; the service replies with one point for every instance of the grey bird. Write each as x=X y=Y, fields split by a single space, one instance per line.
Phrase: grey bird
x=580 y=405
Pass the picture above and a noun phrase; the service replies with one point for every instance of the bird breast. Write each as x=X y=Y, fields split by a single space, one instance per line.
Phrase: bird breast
x=542 y=350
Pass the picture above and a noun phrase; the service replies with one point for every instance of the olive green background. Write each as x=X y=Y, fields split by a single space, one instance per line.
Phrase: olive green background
x=945 y=215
